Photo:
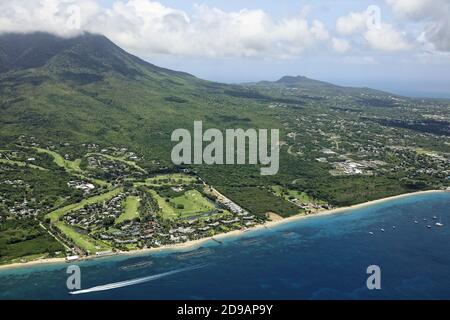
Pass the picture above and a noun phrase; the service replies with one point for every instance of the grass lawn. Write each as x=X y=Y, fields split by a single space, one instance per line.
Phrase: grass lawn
x=123 y=160
x=131 y=210
x=81 y=240
x=193 y=203
x=301 y=196
x=22 y=164
x=55 y=215
x=167 y=211
x=168 y=180
x=61 y=162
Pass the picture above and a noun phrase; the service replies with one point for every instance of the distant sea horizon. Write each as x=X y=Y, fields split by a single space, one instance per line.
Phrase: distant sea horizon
x=324 y=257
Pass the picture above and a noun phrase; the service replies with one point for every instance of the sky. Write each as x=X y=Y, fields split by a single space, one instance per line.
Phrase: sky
x=402 y=46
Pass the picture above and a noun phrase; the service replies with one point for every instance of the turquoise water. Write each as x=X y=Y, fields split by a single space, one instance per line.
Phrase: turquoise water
x=322 y=257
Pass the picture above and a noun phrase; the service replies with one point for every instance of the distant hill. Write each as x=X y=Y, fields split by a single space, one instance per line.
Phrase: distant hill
x=318 y=88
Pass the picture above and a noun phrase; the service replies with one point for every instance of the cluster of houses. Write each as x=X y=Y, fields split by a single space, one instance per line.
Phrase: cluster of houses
x=349 y=167
x=310 y=207
x=109 y=169
x=86 y=187
x=94 y=216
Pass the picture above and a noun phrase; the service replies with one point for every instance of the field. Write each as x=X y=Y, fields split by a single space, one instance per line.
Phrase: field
x=22 y=164
x=289 y=194
x=168 y=180
x=191 y=203
x=55 y=215
x=131 y=210
x=61 y=162
x=82 y=241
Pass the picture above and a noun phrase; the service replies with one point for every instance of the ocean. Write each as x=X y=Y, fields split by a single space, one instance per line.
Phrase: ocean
x=323 y=257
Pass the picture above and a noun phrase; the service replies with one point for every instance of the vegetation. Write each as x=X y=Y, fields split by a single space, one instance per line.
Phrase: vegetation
x=86 y=122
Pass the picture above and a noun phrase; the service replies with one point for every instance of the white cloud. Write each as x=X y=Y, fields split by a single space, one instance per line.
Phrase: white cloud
x=433 y=14
x=352 y=23
x=387 y=38
x=340 y=45
x=378 y=35
x=146 y=27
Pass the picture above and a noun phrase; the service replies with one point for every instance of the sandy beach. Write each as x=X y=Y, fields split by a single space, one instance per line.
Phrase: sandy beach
x=191 y=245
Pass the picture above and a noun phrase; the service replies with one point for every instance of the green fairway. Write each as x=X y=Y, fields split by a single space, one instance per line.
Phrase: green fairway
x=22 y=164
x=287 y=193
x=55 y=215
x=167 y=211
x=83 y=241
x=120 y=159
x=131 y=210
x=168 y=180
x=191 y=203
x=60 y=161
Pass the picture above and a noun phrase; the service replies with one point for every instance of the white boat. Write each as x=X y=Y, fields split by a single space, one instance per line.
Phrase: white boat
x=382 y=230
x=434 y=217
x=416 y=222
x=439 y=224
x=371 y=233
x=429 y=227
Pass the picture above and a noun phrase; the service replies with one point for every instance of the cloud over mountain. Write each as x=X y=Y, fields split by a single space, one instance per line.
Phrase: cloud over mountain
x=145 y=26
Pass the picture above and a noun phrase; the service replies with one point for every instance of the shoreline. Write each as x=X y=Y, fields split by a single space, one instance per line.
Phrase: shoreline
x=193 y=244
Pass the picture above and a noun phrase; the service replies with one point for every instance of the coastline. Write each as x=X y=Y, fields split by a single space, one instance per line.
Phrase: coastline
x=196 y=243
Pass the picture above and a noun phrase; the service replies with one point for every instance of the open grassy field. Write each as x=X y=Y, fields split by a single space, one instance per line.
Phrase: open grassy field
x=168 y=180
x=190 y=203
x=83 y=241
x=55 y=215
x=167 y=211
x=131 y=210
x=22 y=164
x=288 y=193
x=61 y=162
x=120 y=159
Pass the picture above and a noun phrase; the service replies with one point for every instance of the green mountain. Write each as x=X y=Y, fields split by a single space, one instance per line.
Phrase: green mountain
x=303 y=86
x=88 y=90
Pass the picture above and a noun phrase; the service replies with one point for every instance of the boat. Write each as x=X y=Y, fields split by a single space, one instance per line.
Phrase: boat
x=382 y=230
x=439 y=224
x=416 y=222
x=393 y=227
x=371 y=233
x=429 y=227
x=434 y=217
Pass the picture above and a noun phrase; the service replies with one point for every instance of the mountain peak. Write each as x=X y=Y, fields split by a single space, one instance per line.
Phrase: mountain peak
x=87 y=52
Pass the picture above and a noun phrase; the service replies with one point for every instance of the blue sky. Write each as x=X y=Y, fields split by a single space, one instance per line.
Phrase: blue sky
x=401 y=46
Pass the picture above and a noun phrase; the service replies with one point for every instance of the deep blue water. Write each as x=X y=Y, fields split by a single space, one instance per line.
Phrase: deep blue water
x=316 y=258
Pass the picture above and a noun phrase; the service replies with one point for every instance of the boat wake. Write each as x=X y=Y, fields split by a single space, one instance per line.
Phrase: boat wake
x=133 y=282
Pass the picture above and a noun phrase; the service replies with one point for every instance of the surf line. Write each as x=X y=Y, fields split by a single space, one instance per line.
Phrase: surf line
x=127 y=283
